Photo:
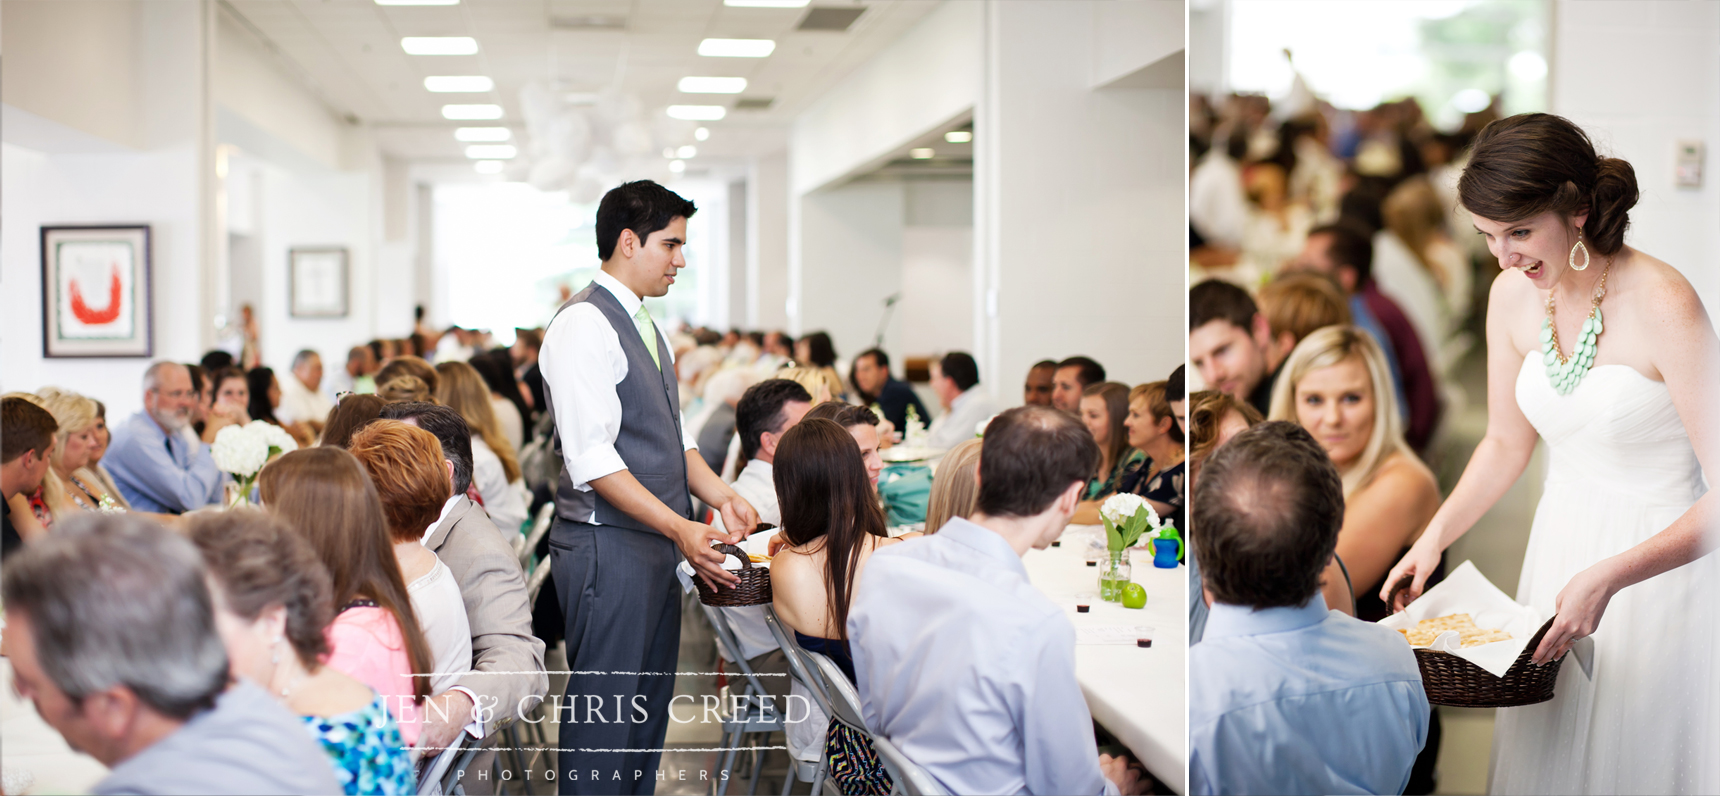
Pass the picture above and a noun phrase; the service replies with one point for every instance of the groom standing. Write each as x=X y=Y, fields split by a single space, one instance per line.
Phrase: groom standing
x=622 y=507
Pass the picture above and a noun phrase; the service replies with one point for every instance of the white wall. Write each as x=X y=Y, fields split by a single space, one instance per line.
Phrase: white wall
x=1640 y=76
x=1079 y=207
x=767 y=249
x=851 y=245
x=936 y=311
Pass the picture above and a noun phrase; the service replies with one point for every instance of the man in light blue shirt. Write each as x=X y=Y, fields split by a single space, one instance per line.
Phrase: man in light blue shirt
x=1286 y=697
x=156 y=464
x=955 y=378
x=960 y=662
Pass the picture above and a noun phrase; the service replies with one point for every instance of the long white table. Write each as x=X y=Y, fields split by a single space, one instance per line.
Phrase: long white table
x=1138 y=694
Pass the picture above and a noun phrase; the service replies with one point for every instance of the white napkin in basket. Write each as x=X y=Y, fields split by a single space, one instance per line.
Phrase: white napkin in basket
x=1467 y=591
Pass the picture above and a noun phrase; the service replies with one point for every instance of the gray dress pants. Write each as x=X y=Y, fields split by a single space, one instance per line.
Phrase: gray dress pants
x=622 y=601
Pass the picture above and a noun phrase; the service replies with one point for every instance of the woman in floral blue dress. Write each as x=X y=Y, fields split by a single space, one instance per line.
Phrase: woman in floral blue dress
x=272 y=604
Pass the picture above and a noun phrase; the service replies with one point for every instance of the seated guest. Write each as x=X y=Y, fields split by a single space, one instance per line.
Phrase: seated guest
x=1229 y=342
x=94 y=473
x=1214 y=418
x=504 y=649
x=821 y=385
x=1158 y=477
x=205 y=394
x=872 y=378
x=1346 y=254
x=1176 y=394
x=216 y=360
x=860 y=423
x=1041 y=383
x=1284 y=695
x=527 y=343
x=412 y=479
x=405 y=389
x=1071 y=380
x=228 y=402
x=714 y=427
x=76 y=417
x=27 y=435
x=272 y=603
x=375 y=636
x=356 y=377
x=352 y=413
x=495 y=466
x=157 y=467
x=979 y=721
x=1104 y=410
x=955 y=487
x=955 y=379
x=815 y=350
x=1297 y=303
x=124 y=661
x=509 y=404
x=1336 y=387
x=266 y=400
x=407 y=366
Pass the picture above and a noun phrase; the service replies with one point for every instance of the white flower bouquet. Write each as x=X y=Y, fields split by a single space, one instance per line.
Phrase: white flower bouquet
x=1126 y=518
x=243 y=450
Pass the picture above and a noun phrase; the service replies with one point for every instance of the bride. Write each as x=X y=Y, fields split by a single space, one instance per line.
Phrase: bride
x=1607 y=354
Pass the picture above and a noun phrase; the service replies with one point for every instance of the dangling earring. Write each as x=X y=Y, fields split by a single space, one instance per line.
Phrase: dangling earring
x=1572 y=259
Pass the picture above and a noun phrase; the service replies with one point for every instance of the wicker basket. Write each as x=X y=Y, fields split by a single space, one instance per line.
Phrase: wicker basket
x=1455 y=682
x=754 y=588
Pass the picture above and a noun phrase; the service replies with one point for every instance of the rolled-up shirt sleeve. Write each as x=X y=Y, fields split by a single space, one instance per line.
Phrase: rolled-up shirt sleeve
x=582 y=361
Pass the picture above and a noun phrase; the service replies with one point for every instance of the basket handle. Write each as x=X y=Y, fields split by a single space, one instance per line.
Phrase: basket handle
x=729 y=549
x=1398 y=588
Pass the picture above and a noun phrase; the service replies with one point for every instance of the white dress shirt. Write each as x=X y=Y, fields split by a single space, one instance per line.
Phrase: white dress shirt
x=970 y=670
x=502 y=499
x=582 y=361
x=300 y=403
x=958 y=425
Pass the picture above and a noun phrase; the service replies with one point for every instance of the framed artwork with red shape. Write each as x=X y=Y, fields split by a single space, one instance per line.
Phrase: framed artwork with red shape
x=96 y=291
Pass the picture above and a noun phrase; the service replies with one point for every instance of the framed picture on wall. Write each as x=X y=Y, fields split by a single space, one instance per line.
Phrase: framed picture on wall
x=96 y=292
x=317 y=282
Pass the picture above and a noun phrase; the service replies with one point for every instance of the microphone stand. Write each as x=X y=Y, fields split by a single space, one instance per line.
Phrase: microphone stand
x=884 y=322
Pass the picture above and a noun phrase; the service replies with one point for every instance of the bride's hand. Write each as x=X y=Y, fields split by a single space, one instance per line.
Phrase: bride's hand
x=1419 y=564
x=1579 y=605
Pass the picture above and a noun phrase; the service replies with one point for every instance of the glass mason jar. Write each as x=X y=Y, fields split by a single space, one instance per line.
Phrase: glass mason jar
x=1114 y=573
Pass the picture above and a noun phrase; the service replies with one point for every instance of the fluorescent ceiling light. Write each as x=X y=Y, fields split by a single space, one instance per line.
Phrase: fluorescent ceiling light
x=489 y=166
x=697 y=113
x=447 y=84
x=471 y=111
x=958 y=136
x=922 y=153
x=417 y=2
x=439 y=45
x=677 y=166
x=712 y=85
x=688 y=151
x=483 y=134
x=491 y=151
x=701 y=134
x=737 y=48
x=766 y=3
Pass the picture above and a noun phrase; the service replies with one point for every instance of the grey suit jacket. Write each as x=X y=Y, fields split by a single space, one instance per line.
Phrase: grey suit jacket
x=494 y=591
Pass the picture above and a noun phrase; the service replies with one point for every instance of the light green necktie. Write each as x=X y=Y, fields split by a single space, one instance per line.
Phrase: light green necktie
x=648 y=333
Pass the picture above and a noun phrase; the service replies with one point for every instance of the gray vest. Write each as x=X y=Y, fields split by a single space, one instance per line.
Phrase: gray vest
x=649 y=442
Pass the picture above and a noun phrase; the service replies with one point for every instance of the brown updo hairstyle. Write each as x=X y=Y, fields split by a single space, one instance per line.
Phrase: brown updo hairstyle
x=259 y=561
x=1528 y=164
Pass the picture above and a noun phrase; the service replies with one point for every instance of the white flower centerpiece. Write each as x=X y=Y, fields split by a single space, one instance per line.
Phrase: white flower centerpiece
x=241 y=451
x=1127 y=517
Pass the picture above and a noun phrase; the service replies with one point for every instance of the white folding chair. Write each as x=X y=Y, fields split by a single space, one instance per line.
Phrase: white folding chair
x=526 y=543
x=802 y=670
x=909 y=778
x=755 y=715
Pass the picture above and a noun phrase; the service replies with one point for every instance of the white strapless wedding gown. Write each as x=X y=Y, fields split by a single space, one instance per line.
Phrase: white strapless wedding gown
x=1620 y=469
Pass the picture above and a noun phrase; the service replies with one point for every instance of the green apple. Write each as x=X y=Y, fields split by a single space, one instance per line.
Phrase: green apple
x=1134 y=596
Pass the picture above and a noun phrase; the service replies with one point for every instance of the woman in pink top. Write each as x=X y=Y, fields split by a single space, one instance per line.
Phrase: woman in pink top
x=375 y=637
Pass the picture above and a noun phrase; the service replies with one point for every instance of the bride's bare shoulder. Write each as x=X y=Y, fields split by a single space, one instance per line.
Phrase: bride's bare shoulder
x=1653 y=283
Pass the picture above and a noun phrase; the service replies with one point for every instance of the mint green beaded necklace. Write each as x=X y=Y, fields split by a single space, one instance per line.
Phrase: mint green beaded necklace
x=1566 y=372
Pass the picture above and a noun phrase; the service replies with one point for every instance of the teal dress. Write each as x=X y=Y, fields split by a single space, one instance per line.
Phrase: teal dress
x=365 y=749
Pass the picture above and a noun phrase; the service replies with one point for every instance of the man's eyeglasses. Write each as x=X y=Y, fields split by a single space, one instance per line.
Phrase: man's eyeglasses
x=177 y=395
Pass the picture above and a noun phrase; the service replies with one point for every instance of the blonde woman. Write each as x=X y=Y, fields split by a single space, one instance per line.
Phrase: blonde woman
x=74 y=444
x=956 y=486
x=1335 y=385
x=495 y=469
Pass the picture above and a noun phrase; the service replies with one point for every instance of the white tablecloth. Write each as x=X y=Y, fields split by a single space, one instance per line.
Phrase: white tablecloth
x=1138 y=694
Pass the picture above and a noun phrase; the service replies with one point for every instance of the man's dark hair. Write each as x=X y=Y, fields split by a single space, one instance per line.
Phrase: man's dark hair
x=198 y=374
x=961 y=369
x=1044 y=363
x=878 y=356
x=1030 y=457
x=1268 y=507
x=643 y=206
x=1089 y=373
x=760 y=410
x=757 y=339
x=216 y=360
x=24 y=427
x=844 y=415
x=1175 y=388
x=449 y=428
x=820 y=350
x=1352 y=247
x=1218 y=300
